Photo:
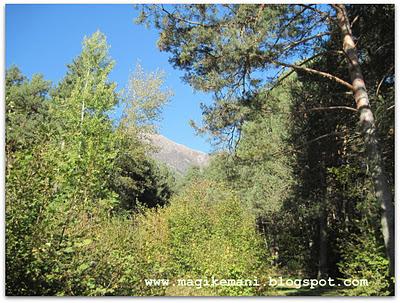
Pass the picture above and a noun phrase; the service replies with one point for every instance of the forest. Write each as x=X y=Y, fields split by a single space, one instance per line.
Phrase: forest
x=300 y=184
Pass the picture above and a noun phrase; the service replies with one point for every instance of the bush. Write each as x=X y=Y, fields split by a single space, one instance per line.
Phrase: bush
x=364 y=258
x=205 y=232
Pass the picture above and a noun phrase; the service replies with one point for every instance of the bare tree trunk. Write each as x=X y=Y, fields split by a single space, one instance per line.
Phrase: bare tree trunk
x=323 y=242
x=323 y=225
x=382 y=189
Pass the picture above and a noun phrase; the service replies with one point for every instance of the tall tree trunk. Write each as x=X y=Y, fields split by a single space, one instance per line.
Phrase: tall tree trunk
x=323 y=225
x=383 y=192
x=323 y=241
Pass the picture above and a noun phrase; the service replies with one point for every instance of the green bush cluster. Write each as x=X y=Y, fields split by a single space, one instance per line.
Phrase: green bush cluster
x=206 y=231
x=364 y=258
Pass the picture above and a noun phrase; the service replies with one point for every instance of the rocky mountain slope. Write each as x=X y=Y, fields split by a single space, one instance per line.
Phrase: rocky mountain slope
x=177 y=156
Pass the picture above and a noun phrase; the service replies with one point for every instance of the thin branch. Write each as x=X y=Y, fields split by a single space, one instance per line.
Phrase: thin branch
x=315 y=72
x=333 y=108
x=319 y=138
x=354 y=21
x=174 y=17
x=328 y=16
x=304 y=62
x=337 y=52
x=383 y=79
x=286 y=26
x=294 y=44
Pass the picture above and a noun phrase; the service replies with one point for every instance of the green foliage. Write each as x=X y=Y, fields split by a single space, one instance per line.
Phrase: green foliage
x=27 y=182
x=265 y=155
x=205 y=231
x=136 y=178
x=145 y=97
x=65 y=174
x=362 y=253
x=28 y=191
x=141 y=181
x=260 y=168
x=63 y=157
x=84 y=144
x=363 y=258
x=26 y=110
x=225 y=50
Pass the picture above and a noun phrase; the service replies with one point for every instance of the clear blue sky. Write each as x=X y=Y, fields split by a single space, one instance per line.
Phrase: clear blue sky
x=44 y=38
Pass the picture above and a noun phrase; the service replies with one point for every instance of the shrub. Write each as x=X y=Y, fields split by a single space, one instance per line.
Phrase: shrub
x=363 y=258
x=205 y=231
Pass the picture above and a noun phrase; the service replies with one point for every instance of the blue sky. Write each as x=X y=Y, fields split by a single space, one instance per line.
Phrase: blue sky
x=44 y=38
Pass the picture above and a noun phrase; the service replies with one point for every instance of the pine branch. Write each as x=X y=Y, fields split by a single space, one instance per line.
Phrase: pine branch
x=333 y=108
x=294 y=44
x=324 y=14
x=280 y=80
x=315 y=72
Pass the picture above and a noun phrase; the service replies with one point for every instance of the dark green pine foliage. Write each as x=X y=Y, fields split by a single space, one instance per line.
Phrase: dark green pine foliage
x=334 y=177
x=232 y=51
x=225 y=50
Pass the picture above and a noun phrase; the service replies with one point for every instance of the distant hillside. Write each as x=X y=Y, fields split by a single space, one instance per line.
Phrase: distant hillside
x=177 y=156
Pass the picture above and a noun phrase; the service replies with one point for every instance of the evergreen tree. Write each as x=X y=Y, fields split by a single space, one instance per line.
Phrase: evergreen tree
x=228 y=49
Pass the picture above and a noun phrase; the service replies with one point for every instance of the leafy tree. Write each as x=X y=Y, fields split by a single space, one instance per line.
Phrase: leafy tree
x=84 y=145
x=137 y=178
x=66 y=167
x=27 y=110
x=27 y=182
x=145 y=97
x=64 y=175
x=205 y=231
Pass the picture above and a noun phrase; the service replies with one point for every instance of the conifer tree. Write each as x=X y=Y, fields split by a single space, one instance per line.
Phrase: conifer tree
x=232 y=50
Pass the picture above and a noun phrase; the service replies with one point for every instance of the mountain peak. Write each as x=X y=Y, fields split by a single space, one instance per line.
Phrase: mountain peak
x=177 y=156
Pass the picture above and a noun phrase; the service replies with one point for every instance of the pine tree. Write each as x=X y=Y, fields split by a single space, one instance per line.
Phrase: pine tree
x=233 y=50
